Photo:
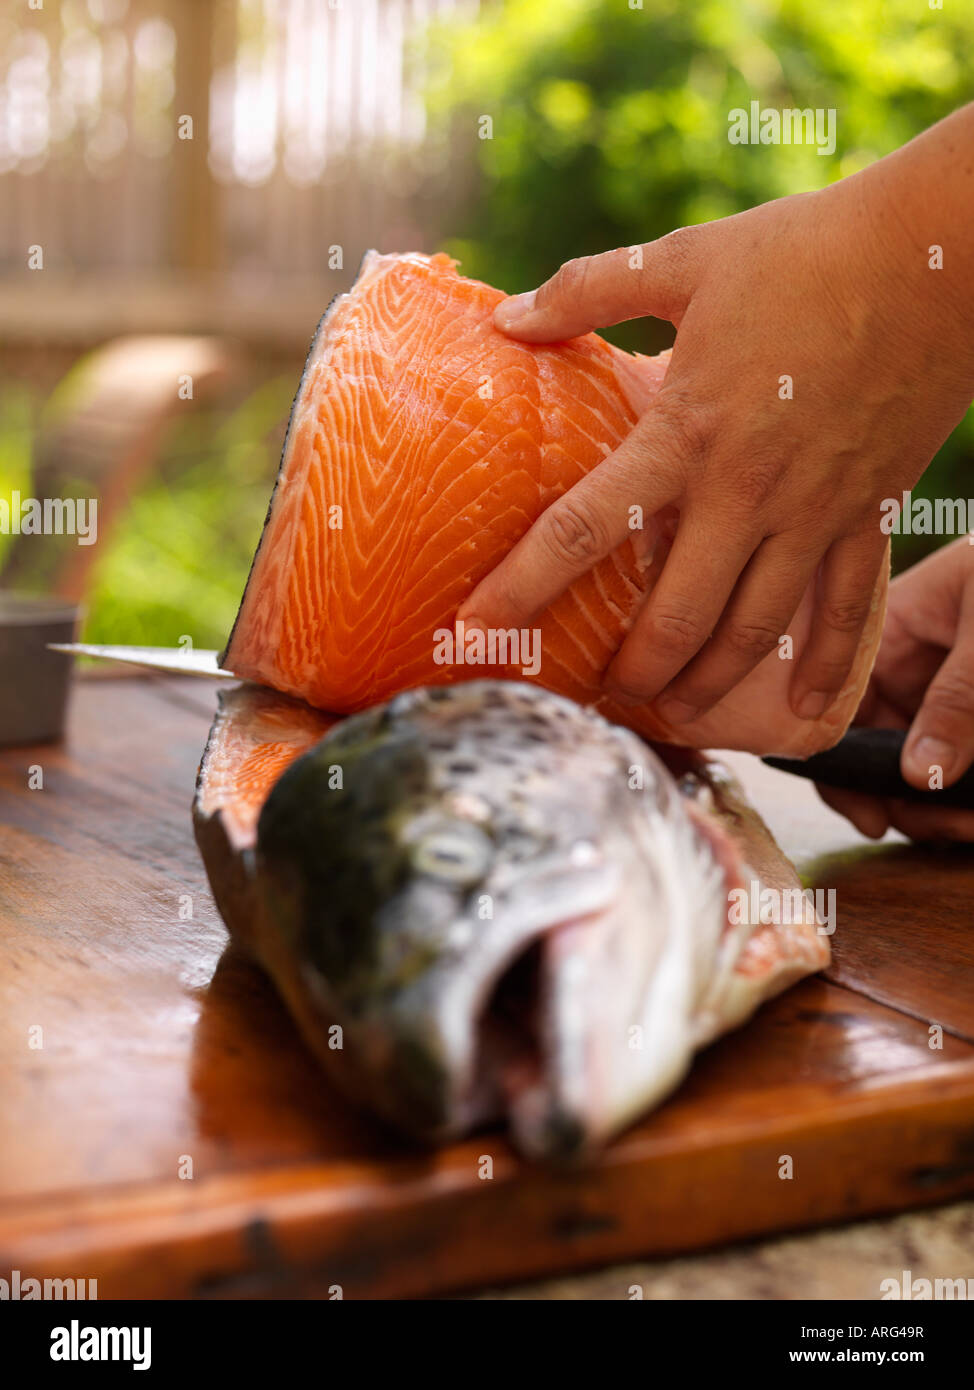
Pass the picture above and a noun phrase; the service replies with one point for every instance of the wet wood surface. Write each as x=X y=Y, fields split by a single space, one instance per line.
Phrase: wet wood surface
x=162 y=1128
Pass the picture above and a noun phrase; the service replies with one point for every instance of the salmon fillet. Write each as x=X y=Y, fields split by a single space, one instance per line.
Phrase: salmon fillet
x=422 y=445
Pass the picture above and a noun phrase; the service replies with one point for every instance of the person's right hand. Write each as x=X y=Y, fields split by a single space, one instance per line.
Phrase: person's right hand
x=923 y=680
x=831 y=289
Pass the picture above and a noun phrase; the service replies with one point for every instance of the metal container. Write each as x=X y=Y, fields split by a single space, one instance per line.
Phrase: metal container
x=34 y=681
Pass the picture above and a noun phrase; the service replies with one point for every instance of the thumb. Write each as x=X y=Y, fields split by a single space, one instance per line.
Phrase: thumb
x=942 y=733
x=594 y=291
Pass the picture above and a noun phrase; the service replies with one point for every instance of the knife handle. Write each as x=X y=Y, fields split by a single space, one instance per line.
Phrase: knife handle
x=868 y=760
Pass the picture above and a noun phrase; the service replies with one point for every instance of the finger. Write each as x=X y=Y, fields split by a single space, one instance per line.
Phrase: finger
x=879 y=712
x=683 y=609
x=931 y=822
x=867 y=813
x=763 y=604
x=924 y=602
x=871 y=704
x=847 y=584
x=942 y=734
x=594 y=291
x=580 y=528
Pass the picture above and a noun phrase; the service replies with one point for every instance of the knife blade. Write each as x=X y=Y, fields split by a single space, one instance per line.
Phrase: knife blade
x=185 y=661
x=868 y=761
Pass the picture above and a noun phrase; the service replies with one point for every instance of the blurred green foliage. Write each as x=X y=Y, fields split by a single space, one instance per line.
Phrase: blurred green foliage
x=177 y=565
x=18 y=412
x=176 y=562
x=609 y=126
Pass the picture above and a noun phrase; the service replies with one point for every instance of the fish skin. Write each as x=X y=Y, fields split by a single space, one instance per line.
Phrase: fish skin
x=436 y=483
x=609 y=908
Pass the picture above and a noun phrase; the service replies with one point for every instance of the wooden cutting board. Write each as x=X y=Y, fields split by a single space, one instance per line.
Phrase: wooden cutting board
x=166 y=1133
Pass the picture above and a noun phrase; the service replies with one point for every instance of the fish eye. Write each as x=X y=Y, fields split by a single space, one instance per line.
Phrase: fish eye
x=456 y=853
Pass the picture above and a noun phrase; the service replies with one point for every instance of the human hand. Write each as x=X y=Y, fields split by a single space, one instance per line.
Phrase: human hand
x=829 y=289
x=923 y=680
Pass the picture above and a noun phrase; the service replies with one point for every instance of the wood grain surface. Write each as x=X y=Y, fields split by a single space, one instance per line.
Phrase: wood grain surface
x=163 y=1053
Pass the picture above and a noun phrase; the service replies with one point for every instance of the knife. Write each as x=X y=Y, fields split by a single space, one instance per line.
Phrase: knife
x=185 y=661
x=868 y=761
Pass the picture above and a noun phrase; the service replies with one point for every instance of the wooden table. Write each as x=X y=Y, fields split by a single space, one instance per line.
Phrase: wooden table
x=163 y=1129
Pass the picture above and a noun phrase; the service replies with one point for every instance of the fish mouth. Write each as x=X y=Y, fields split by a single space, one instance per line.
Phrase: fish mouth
x=550 y=1034
x=517 y=1047
x=591 y=1021
x=483 y=1034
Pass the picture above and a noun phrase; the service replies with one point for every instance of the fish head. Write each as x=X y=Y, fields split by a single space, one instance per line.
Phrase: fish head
x=504 y=903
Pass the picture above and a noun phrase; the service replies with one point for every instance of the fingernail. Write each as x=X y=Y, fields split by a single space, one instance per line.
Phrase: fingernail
x=676 y=711
x=926 y=753
x=508 y=313
x=814 y=704
x=471 y=624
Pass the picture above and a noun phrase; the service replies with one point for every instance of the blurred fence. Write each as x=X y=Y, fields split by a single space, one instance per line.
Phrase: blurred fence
x=242 y=138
